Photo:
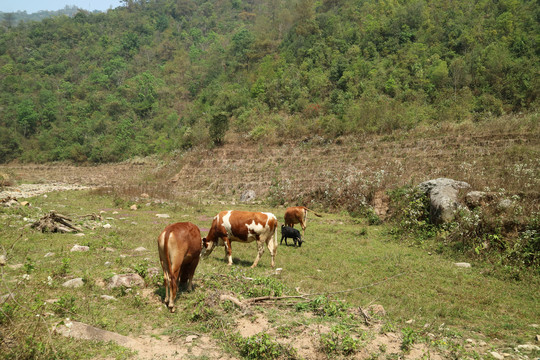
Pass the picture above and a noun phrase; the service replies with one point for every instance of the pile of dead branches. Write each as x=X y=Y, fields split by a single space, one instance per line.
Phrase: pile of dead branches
x=54 y=222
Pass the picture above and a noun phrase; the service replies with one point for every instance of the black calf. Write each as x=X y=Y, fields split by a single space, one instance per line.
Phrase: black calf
x=290 y=232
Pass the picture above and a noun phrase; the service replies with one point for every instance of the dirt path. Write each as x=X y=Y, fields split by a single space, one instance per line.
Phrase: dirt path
x=30 y=190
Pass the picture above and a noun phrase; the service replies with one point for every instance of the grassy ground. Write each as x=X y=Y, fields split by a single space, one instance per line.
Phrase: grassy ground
x=427 y=298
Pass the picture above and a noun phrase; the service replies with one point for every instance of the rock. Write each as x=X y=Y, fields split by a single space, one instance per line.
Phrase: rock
x=248 y=195
x=79 y=248
x=537 y=338
x=164 y=216
x=496 y=355
x=127 y=280
x=153 y=271
x=443 y=196
x=475 y=199
x=140 y=249
x=74 y=283
x=133 y=207
x=83 y=331
x=107 y=226
x=505 y=204
x=527 y=348
x=462 y=264
x=381 y=203
x=24 y=203
x=3 y=261
x=49 y=254
x=145 y=195
x=80 y=234
x=108 y=297
x=15 y=266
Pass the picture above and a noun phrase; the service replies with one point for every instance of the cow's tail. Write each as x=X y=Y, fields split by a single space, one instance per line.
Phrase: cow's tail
x=312 y=212
x=166 y=250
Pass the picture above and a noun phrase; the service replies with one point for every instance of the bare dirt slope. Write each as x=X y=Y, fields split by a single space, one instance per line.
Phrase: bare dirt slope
x=499 y=159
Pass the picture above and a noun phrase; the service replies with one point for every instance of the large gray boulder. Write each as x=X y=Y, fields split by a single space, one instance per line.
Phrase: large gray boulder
x=248 y=195
x=443 y=196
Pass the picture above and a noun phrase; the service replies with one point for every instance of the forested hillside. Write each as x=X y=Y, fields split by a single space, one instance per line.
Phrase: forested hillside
x=161 y=75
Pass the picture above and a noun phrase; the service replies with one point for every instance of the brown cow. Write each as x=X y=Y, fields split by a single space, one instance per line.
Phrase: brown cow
x=243 y=226
x=298 y=214
x=179 y=247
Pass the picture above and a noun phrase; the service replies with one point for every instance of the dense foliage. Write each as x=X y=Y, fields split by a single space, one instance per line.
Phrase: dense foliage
x=160 y=75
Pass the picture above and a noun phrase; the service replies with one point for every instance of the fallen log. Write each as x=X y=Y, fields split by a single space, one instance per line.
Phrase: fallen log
x=54 y=222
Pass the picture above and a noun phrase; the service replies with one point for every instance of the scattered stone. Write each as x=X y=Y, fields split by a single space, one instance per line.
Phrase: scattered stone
x=24 y=203
x=496 y=355
x=133 y=207
x=74 y=283
x=108 y=297
x=248 y=195
x=505 y=204
x=381 y=203
x=107 y=226
x=145 y=195
x=127 y=280
x=115 y=212
x=140 y=249
x=537 y=338
x=153 y=271
x=527 y=348
x=462 y=264
x=80 y=234
x=482 y=343
x=109 y=249
x=164 y=216
x=52 y=301
x=107 y=263
x=475 y=199
x=15 y=266
x=3 y=260
x=411 y=321
x=49 y=254
x=83 y=331
x=79 y=248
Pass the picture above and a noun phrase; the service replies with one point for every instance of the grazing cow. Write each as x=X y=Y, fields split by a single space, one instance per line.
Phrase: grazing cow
x=243 y=226
x=179 y=247
x=289 y=232
x=298 y=214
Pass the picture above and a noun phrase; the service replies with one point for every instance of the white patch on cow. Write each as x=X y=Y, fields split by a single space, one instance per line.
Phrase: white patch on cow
x=226 y=222
x=269 y=216
x=255 y=229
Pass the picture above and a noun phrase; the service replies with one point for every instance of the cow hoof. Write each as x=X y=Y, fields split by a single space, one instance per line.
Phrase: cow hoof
x=171 y=309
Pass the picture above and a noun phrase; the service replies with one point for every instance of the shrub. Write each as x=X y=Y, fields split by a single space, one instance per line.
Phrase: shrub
x=339 y=341
x=261 y=346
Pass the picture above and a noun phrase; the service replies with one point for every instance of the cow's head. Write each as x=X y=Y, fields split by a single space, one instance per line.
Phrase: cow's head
x=207 y=247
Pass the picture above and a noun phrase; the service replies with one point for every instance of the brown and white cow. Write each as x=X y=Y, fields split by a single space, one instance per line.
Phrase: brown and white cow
x=298 y=214
x=242 y=226
x=179 y=247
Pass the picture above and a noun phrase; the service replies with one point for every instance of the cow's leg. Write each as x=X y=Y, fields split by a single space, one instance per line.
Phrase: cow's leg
x=228 y=250
x=260 y=251
x=272 y=245
x=188 y=271
x=283 y=237
x=165 y=279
